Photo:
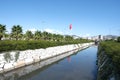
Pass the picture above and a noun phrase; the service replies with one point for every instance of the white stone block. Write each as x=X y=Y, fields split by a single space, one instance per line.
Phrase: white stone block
x=1 y=70
x=1 y=57
x=36 y=58
x=8 y=67
x=44 y=57
x=1 y=65
x=29 y=61
x=18 y=64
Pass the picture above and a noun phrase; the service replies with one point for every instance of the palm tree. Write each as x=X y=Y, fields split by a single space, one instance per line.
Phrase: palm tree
x=68 y=38
x=57 y=37
x=16 y=32
x=60 y=37
x=50 y=36
x=2 y=30
x=37 y=35
x=29 y=35
x=45 y=35
x=54 y=37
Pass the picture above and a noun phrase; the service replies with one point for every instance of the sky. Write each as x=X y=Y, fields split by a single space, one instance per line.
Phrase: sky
x=88 y=17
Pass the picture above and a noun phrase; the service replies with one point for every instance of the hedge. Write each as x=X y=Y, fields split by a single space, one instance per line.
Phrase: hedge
x=112 y=49
x=9 y=45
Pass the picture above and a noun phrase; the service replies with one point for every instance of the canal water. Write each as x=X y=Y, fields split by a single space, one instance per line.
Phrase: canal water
x=79 y=66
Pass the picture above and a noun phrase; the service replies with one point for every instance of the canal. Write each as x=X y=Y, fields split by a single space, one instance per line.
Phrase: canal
x=79 y=66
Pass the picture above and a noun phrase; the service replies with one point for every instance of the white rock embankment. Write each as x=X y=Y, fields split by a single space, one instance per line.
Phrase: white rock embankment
x=16 y=59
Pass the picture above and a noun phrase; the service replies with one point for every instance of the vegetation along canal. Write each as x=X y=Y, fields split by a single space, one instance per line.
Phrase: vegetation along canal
x=79 y=66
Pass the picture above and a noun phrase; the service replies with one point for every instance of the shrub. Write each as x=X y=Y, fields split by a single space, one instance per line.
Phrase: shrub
x=10 y=45
x=112 y=49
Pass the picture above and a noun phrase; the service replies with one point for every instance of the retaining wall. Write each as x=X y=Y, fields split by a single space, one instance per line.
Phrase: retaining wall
x=26 y=71
x=16 y=59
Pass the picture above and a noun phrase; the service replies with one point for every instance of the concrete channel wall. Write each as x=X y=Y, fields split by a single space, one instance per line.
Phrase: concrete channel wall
x=16 y=59
x=26 y=71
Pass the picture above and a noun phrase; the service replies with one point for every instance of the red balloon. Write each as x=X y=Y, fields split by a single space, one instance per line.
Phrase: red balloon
x=70 y=27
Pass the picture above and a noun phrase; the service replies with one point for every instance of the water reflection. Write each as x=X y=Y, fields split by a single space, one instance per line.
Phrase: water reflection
x=68 y=58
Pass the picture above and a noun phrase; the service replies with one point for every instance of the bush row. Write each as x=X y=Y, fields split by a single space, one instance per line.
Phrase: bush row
x=112 y=49
x=10 y=45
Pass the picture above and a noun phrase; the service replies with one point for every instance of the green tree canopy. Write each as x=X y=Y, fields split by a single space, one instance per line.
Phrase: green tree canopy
x=2 y=30
x=118 y=39
x=45 y=35
x=29 y=35
x=68 y=38
x=16 y=32
x=37 y=35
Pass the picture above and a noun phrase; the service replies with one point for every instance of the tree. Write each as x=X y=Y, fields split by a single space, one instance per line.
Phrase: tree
x=50 y=36
x=16 y=32
x=2 y=30
x=29 y=35
x=68 y=38
x=54 y=37
x=37 y=35
x=118 y=39
x=59 y=37
x=45 y=35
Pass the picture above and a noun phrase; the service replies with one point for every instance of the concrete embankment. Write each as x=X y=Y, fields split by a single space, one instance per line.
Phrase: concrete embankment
x=26 y=71
x=16 y=59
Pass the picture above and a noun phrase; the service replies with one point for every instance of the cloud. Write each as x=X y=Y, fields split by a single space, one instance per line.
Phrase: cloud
x=53 y=31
